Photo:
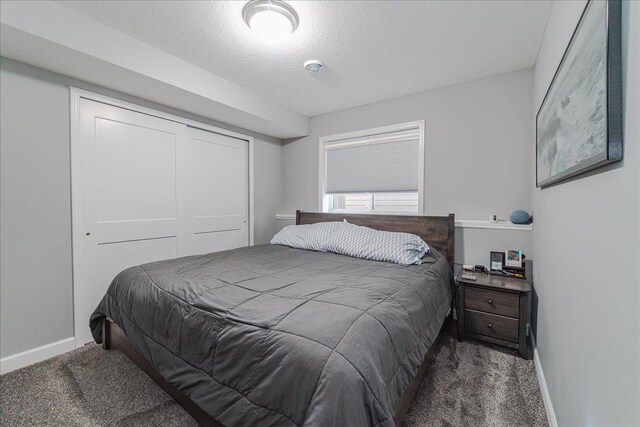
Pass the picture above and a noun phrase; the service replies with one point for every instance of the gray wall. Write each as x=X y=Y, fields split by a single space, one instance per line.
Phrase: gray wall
x=587 y=259
x=477 y=135
x=477 y=148
x=472 y=245
x=35 y=210
x=35 y=213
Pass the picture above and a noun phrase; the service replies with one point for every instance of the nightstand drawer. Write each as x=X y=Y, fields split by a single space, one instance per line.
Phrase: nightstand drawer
x=503 y=303
x=491 y=325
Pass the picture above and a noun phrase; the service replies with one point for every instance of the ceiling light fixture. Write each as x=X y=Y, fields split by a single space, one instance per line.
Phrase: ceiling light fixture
x=272 y=19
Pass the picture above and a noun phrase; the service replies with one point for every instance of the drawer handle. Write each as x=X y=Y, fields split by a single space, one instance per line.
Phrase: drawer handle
x=490 y=301
x=490 y=326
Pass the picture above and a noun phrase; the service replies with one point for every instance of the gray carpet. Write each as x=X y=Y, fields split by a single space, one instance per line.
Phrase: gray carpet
x=469 y=384
x=477 y=384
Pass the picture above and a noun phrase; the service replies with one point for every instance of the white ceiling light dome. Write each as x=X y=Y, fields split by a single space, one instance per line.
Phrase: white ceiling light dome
x=272 y=19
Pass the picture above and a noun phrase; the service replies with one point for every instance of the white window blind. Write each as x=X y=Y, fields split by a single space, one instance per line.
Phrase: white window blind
x=373 y=164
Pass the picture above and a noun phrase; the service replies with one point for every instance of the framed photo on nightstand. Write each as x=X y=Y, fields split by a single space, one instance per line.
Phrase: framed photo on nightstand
x=513 y=258
x=496 y=261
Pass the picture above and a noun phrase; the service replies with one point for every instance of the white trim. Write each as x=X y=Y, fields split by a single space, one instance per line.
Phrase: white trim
x=333 y=139
x=81 y=93
x=251 y=195
x=499 y=225
x=374 y=131
x=546 y=397
x=76 y=191
x=75 y=96
x=35 y=355
x=421 y=166
x=374 y=139
x=322 y=171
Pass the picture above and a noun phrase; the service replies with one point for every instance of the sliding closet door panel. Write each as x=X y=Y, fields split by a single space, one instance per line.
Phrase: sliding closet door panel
x=132 y=168
x=220 y=196
x=217 y=163
x=136 y=230
x=217 y=241
x=115 y=257
x=135 y=171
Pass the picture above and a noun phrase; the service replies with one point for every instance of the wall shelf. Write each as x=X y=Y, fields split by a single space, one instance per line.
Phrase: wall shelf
x=497 y=225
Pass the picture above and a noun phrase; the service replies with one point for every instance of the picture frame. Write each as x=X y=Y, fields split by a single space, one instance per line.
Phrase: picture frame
x=513 y=258
x=496 y=261
x=579 y=123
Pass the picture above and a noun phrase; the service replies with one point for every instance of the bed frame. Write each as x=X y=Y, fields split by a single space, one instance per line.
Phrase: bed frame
x=438 y=231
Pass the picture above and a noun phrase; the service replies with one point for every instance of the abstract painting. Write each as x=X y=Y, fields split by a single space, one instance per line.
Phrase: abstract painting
x=579 y=124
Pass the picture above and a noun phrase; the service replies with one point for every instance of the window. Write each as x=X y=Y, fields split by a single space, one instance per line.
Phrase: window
x=373 y=171
x=374 y=202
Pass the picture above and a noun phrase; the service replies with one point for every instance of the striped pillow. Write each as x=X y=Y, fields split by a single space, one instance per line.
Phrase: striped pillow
x=367 y=243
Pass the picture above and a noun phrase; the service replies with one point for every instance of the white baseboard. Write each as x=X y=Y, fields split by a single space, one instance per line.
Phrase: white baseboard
x=546 y=398
x=35 y=355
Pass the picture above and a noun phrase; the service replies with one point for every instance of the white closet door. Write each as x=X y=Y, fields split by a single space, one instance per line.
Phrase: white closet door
x=220 y=191
x=133 y=184
x=146 y=189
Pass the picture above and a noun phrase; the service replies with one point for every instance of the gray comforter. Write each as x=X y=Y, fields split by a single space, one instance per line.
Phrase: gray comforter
x=271 y=335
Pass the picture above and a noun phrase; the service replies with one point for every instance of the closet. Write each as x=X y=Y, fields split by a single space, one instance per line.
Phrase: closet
x=148 y=187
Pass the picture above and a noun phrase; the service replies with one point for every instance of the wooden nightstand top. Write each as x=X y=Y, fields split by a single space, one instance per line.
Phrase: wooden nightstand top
x=495 y=282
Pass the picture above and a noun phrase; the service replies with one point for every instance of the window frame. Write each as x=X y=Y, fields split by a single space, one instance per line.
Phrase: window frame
x=323 y=199
x=372 y=205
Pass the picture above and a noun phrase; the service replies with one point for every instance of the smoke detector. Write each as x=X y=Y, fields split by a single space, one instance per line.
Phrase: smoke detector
x=313 y=66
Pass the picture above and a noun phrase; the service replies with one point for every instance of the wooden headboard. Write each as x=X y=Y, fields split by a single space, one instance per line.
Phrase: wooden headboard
x=437 y=231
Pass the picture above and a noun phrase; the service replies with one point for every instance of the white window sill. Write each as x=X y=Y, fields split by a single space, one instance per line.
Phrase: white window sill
x=460 y=223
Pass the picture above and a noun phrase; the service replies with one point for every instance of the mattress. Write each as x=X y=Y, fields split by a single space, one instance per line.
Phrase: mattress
x=272 y=335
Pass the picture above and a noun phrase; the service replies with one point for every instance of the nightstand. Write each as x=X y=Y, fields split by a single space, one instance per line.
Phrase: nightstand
x=495 y=309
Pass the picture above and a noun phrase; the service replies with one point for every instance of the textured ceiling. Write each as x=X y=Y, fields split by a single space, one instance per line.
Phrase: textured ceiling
x=372 y=50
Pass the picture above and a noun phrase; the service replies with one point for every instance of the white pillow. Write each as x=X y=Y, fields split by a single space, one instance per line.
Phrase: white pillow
x=312 y=237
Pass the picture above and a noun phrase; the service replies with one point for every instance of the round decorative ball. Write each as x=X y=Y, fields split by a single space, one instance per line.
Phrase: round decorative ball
x=519 y=217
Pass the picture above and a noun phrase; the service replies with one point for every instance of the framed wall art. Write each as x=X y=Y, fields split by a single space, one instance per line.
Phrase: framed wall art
x=579 y=124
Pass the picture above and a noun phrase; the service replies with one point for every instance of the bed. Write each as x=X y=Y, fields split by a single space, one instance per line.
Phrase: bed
x=272 y=335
